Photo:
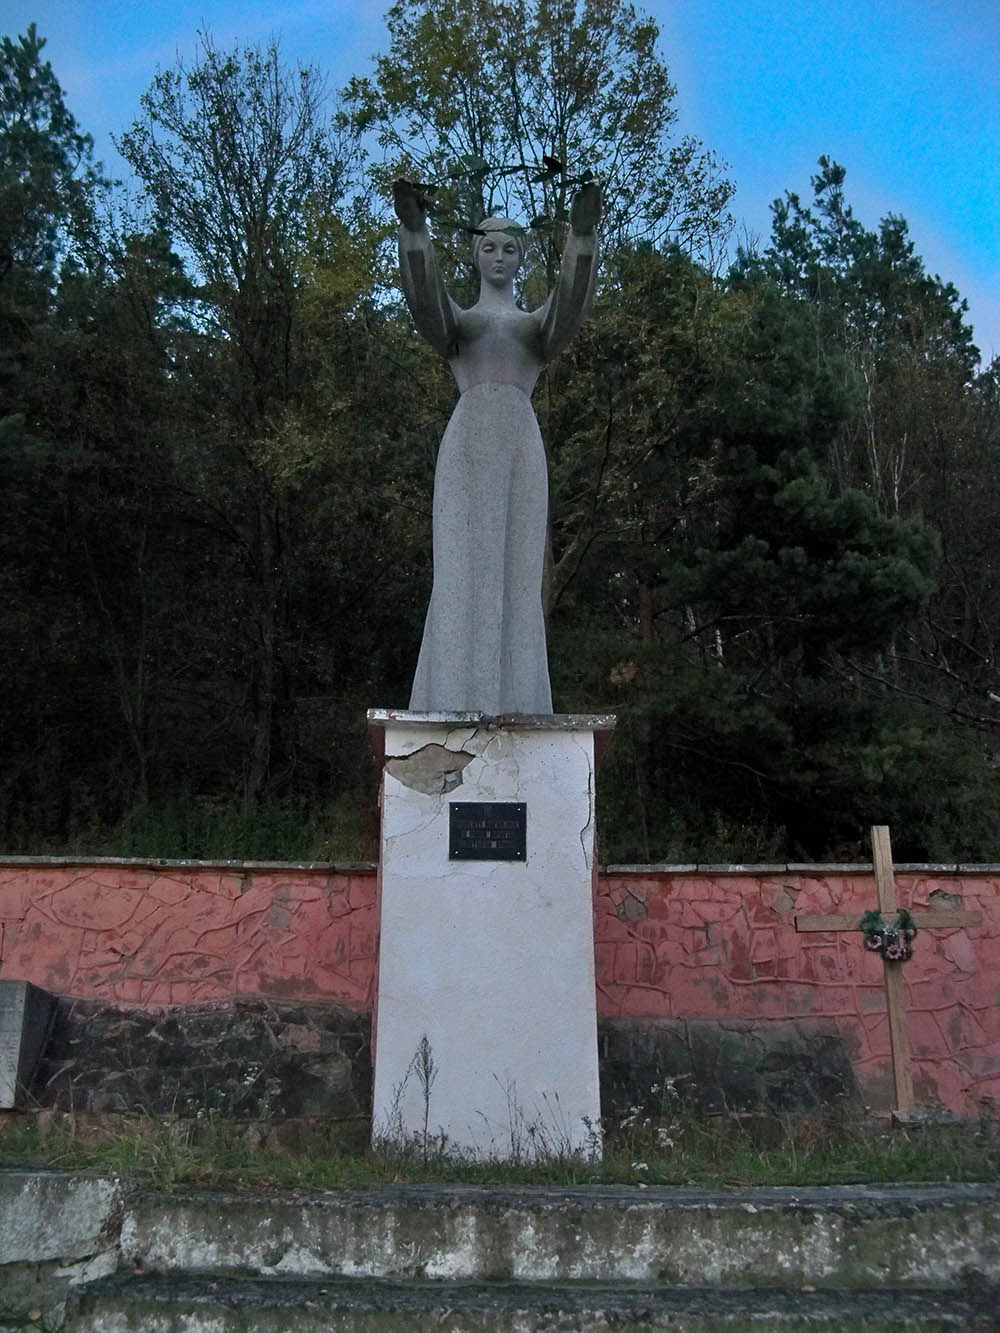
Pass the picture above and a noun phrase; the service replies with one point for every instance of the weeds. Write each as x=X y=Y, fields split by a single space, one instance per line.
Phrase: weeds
x=546 y=1136
x=678 y=1147
x=196 y=828
x=677 y=1144
x=393 y=1139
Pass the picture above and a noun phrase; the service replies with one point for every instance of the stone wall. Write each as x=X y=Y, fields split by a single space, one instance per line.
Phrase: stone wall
x=700 y=970
x=303 y=1068
x=677 y=944
x=250 y=1059
x=174 y=933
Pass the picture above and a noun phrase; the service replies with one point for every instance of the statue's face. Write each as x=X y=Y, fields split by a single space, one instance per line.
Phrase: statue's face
x=498 y=258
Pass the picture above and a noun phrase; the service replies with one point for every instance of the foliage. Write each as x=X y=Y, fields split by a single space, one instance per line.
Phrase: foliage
x=46 y=176
x=774 y=492
x=211 y=829
x=731 y=594
x=473 y=88
x=921 y=440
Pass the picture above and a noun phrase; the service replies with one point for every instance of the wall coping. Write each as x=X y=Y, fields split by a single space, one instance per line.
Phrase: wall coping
x=814 y=868
x=163 y=863
x=805 y=868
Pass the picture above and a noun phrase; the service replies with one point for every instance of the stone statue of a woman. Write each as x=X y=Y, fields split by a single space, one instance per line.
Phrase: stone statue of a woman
x=484 y=638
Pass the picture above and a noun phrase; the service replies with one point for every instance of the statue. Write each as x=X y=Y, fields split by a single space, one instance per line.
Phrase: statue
x=484 y=648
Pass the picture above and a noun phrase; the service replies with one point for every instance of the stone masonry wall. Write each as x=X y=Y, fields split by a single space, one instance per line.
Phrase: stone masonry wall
x=681 y=944
x=675 y=948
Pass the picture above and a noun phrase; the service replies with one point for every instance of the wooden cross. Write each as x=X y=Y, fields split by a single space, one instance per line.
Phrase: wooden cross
x=895 y=996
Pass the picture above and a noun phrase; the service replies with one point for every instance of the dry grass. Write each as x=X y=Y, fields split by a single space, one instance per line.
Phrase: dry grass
x=677 y=1147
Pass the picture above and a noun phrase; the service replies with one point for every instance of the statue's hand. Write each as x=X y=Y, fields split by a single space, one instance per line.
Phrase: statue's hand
x=410 y=205
x=585 y=210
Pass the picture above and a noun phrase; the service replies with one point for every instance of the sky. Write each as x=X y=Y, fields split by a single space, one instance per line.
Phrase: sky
x=903 y=93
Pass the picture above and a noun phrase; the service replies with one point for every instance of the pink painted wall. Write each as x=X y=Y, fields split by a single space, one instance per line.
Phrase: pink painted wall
x=682 y=945
x=189 y=933
x=670 y=944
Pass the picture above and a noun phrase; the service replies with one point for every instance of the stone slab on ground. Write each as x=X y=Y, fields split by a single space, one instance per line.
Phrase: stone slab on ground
x=57 y=1215
x=57 y=1231
x=159 y=1304
x=25 y=1017
x=836 y=1236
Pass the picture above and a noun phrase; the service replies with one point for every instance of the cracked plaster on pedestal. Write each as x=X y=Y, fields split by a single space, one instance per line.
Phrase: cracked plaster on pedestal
x=434 y=769
x=461 y=940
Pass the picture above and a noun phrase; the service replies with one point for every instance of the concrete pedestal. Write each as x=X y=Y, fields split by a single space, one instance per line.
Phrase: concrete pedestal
x=485 y=1026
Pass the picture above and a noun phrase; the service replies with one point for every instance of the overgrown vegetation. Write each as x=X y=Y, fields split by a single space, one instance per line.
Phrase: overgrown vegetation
x=677 y=1147
x=213 y=830
x=775 y=485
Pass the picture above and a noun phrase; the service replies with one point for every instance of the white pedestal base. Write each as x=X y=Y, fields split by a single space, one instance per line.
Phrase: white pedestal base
x=485 y=1026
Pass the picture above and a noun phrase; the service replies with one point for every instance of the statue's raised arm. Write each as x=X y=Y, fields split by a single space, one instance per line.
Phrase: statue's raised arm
x=434 y=312
x=563 y=313
x=483 y=648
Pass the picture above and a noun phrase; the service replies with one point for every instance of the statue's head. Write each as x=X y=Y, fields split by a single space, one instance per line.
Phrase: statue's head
x=498 y=251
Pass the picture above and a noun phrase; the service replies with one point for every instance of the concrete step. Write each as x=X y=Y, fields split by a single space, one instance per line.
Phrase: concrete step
x=190 y=1303
x=457 y=1257
x=859 y=1237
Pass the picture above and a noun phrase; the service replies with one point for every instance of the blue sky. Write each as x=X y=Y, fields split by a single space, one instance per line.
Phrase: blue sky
x=904 y=93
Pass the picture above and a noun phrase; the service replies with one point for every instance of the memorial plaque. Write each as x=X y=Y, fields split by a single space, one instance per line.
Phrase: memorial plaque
x=487 y=830
x=26 y=1014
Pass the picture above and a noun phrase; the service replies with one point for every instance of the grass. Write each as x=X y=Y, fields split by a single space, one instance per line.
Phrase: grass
x=678 y=1148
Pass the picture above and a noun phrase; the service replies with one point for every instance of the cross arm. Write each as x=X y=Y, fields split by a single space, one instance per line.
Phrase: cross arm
x=943 y=919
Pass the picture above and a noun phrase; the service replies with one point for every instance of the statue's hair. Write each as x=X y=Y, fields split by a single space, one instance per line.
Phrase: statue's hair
x=499 y=224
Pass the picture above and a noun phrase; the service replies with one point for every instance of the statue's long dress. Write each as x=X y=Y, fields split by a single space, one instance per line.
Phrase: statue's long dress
x=483 y=648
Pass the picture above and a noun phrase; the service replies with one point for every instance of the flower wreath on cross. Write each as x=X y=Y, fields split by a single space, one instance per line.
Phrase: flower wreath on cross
x=894 y=942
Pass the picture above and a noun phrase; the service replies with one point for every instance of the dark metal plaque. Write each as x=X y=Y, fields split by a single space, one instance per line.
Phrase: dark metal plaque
x=487 y=830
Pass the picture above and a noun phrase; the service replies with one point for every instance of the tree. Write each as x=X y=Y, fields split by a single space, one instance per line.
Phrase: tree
x=238 y=161
x=497 y=96
x=875 y=303
x=47 y=188
x=92 y=548
x=47 y=185
x=922 y=438
x=720 y=582
x=46 y=175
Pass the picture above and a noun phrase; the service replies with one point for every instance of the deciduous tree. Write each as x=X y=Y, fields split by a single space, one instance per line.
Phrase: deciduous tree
x=239 y=158
x=510 y=100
